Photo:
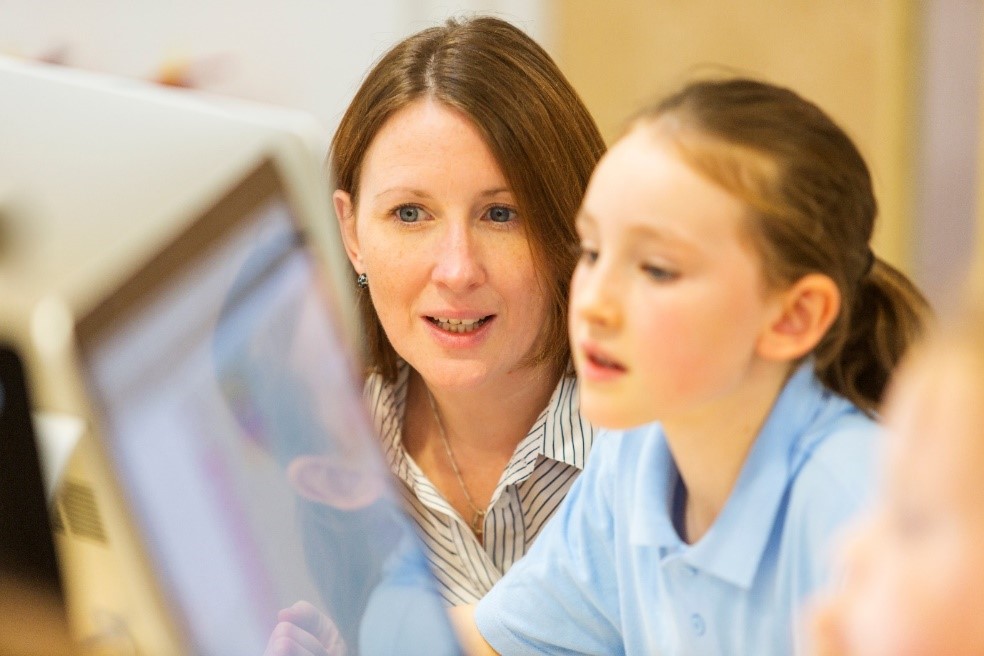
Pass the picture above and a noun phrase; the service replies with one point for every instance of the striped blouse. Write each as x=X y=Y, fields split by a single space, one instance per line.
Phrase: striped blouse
x=534 y=482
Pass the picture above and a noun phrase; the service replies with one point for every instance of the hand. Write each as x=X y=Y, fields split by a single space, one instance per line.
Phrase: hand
x=303 y=630
x=463 y=621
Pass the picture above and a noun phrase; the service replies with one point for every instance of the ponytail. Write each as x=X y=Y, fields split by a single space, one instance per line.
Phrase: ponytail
x=858 y=355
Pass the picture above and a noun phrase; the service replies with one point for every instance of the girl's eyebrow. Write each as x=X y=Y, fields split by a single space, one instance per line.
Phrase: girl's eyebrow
x=652 y=233
x=584 y=220
x=640 y=232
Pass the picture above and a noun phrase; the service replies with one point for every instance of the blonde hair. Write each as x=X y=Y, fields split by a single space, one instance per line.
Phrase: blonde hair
x=811 y=210
x=533 y=121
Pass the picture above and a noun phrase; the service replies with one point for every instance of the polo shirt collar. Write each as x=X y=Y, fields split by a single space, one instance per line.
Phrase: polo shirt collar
x=733 y=547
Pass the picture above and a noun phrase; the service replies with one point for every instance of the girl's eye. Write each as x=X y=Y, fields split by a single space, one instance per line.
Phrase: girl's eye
x=501 y=214
x=588 y=255
x=658 y=273
x=409 y=213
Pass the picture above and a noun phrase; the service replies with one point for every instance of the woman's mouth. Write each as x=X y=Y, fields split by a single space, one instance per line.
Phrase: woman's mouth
x=459 y=325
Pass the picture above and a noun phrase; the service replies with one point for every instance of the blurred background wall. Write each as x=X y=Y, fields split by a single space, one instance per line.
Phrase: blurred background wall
x=904 y=77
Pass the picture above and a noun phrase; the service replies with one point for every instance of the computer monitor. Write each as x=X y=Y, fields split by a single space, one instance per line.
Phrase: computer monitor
x=227 y=467
x=32 y=613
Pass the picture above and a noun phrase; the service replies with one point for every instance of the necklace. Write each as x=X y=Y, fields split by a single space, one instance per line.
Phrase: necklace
x=478 y=517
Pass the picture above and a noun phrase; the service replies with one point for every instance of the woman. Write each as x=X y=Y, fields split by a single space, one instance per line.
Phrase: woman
x=459 y=166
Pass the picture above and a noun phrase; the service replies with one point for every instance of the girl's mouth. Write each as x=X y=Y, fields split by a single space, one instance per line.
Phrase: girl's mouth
x=603 y=362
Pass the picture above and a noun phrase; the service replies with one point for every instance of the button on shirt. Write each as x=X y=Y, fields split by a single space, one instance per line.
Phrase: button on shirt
x=534 y=482
x=610 y=575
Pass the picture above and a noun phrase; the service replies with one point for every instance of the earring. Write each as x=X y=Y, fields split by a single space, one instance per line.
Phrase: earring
x=362 y=281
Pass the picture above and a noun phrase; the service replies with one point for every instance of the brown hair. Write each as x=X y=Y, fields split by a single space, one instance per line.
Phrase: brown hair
x=813 y=210
x=533 y=121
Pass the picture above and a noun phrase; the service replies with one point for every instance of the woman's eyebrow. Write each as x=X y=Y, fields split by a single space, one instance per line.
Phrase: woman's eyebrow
x=495 y=192
x=420 y=193
x=410 y=191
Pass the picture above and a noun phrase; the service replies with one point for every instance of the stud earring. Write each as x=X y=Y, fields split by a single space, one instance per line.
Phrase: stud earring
x=362 y=281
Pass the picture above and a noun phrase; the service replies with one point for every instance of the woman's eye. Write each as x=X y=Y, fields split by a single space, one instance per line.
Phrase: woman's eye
x=500 y=214
x=409 y=213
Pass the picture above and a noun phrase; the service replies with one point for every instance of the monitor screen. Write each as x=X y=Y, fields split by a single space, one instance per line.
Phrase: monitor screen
x=230 y=412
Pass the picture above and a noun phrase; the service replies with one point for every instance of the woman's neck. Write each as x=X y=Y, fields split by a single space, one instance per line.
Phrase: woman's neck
x=482 y=427
x=489 y=419
x=709 y=447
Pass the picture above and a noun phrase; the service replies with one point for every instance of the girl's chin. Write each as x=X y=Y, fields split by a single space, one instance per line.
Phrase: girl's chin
x=603 y=415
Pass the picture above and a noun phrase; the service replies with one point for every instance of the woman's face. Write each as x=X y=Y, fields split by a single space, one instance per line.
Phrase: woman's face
x=439 y=234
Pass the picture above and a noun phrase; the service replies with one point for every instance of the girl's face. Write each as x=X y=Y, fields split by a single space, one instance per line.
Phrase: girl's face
x=667 y=301
x=915 y=567
x=438 y=231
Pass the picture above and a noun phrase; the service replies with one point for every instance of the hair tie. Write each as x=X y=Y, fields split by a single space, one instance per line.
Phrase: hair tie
x=869 y=262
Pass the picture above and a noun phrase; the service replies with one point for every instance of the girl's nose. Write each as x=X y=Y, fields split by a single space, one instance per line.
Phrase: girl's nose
x=593 y=297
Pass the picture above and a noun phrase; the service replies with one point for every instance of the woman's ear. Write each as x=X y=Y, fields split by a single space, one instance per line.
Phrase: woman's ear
x=345 y=212
x=805 y=311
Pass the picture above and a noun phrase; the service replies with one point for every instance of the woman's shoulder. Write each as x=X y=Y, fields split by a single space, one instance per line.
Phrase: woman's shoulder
x=385 y=399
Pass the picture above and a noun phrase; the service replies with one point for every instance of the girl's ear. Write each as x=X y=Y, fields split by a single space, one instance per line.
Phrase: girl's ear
x=806 y=311
x=345 y=213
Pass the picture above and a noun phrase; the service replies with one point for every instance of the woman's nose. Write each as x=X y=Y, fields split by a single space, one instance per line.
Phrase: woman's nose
x=459 y=264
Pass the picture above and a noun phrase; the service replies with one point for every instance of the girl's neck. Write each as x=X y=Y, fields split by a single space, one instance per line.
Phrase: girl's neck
x=709 y=447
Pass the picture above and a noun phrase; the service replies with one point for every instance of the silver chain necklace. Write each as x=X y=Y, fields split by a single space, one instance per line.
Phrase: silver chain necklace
x=478 y=518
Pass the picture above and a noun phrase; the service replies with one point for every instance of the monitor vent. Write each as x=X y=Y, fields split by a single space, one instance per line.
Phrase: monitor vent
x=77 y=503
x=57 y=525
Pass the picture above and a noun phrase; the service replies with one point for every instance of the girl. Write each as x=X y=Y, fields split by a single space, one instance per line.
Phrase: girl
x=916 y=565
x=726 y=289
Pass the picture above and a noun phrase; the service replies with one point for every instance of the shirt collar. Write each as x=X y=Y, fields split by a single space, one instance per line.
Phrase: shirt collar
x=559 y=433
x=734 y=546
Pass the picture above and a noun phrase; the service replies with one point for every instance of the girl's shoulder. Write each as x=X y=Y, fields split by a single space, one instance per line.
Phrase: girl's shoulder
x=630 y=453
x=833 y=477
x=838 y=450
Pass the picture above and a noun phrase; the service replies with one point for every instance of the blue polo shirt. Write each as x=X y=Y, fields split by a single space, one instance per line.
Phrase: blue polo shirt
x=610 y=575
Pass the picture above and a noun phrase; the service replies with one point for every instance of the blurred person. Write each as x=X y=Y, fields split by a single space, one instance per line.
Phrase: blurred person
x=915 y=564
